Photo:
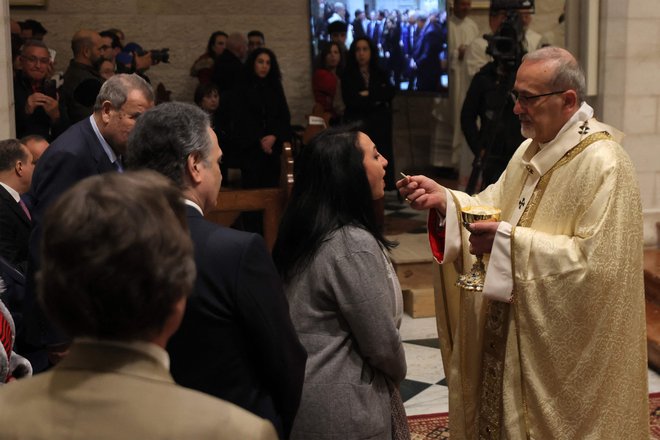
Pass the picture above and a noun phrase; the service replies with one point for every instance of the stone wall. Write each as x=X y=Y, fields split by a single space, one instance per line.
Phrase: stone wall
x=7 y=128
x=630 y=91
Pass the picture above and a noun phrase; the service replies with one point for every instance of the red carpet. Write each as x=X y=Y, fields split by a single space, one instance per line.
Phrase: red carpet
x=435 y=426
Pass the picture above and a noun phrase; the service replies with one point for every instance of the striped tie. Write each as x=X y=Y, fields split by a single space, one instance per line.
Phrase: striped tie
x=25 y=209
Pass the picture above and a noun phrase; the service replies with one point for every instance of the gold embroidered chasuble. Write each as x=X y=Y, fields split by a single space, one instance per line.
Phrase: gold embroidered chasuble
x=574 y=357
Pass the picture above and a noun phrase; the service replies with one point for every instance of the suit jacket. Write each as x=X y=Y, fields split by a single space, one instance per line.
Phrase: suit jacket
x=236 y=340
x=73 y=156
x=14 y=291
x=14 y=231
x=79 y=89
x=110 y=392
x=227 y=71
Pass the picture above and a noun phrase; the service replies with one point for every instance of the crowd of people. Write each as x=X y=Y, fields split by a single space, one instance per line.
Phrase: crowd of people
x=139 y=318
x=411 y=44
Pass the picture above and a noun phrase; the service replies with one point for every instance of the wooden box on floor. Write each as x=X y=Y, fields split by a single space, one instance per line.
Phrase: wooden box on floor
x=414 y=267
x=419 y=303
x=652 y=293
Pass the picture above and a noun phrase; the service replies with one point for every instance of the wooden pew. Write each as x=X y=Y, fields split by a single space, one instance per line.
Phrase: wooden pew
x=652 y=293
x=272 y=201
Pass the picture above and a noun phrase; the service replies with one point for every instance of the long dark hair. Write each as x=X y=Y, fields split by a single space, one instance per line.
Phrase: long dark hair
x=325 y=51
x=274 y=76
x=351 y=62
x=211 y=43
x=331 y=190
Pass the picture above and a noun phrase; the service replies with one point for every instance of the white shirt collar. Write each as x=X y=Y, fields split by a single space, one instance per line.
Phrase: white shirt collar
x=106 y=147
x=194 y=205
x=12 y=192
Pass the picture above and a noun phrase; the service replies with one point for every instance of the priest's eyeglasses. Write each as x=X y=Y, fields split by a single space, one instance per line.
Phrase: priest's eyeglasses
x=526 y=100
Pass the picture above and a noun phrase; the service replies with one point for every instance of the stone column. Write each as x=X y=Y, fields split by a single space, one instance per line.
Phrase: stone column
x=7 y=125
x=629 y=92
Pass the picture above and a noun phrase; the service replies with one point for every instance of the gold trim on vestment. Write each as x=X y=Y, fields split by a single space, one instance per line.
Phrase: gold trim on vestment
x=497 y=320
x=446 y=306
x=462 y=325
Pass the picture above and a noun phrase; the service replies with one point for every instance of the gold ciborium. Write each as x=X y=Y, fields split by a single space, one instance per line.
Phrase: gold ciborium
x=474 y=280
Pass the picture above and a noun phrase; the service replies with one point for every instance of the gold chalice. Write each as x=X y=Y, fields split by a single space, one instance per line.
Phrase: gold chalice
x=474 y=280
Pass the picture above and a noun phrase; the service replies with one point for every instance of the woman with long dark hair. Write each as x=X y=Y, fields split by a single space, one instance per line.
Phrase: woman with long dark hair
x=326 y=84
x=368 y=92
x=344 y=297
x=202 y=68
x=261 y=120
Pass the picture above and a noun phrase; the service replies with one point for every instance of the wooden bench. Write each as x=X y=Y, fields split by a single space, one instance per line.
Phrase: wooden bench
x=272 y=201
x=652 y=293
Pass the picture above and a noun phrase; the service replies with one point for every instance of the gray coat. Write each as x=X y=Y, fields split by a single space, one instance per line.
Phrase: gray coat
x=347 y=308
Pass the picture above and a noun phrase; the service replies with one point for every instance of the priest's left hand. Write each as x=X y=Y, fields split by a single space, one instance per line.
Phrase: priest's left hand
x=482 y=235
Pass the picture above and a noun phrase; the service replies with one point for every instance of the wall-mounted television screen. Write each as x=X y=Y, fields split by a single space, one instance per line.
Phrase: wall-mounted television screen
x=410 y=36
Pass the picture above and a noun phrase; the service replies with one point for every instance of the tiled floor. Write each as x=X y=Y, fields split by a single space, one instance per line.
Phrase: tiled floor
x=424 y=390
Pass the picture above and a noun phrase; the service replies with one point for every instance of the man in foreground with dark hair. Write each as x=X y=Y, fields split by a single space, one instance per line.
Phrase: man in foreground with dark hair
x=121 y=294
x=236 y=341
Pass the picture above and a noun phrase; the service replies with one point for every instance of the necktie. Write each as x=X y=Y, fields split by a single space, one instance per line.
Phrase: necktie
x=119 y=164
x=25 y=209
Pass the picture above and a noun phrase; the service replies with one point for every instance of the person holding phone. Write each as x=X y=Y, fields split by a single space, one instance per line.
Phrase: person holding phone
x=37 y=107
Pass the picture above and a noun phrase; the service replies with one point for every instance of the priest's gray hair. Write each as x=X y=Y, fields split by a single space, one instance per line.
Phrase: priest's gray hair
x=568 y=73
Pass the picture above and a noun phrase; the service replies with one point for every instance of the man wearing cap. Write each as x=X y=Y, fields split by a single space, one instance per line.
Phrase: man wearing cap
x=134 y=59
x=32 y=30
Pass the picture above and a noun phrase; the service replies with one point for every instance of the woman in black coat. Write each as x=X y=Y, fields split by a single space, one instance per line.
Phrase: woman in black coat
x=368 y=92
x=261 y=120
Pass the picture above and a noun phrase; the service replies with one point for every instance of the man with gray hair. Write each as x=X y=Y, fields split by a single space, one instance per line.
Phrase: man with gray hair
x=228 y=67
x=36 y=106
x=554 y=346
x=92 y=146
x=236 y=340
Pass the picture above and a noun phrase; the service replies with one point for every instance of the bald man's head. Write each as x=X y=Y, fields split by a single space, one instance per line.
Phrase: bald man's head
x=86 y=46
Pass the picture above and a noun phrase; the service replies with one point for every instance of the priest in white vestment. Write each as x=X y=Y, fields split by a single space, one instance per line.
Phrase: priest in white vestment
x=461 y=31
x=555 y=345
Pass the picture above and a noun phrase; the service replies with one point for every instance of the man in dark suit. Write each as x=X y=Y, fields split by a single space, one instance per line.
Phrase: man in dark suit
x=228 y=67
x=359 y=25
x=16 y=167
x=427 y=54
x=236 y=341
x=92 y=146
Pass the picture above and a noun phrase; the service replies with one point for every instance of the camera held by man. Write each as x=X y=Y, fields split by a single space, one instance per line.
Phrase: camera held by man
x=134 y=59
